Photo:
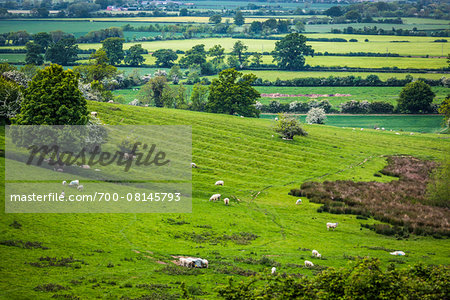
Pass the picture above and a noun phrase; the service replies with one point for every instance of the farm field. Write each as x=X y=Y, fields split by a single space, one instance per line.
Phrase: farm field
x=386 y=94
x=402 y=123
x=418 y=48
x=123 y=254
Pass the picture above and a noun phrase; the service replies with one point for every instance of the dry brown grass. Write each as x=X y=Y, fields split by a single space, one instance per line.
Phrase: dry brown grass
x=400 y=202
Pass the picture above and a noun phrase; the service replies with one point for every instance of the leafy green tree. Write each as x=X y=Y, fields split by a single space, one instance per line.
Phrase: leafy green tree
x=114 y=49
x=217 y=52
x=257 y=59
x=299 y=26
x=184 y=12
x=153 y=91
x=194 y=56
x=289 y=127
x=134 y=56
x=239 y=50
x=199 y=97
x=53 y=98
x=334 y=11
x=256 y=27
x=353 y=15
x=165 y=57
x=43 y=39
x=175 y=74
x=415 y=97
x=10 y=99
x=232 y=93
x=216 y=19
x=290 y=51
x=63 y=52
x=239 y=19
x=444 y=109
x=97 y=69
x=33 y=56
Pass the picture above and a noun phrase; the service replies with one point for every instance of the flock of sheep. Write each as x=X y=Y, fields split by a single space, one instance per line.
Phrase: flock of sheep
x=75 y=184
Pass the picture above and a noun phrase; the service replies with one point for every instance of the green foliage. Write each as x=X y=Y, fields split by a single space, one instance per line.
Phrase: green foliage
x=199 y=97
x=290 y=51
x=34 y=56
x=63 y=52
x=53 y=98
x=232 y=93
x=444 y=109
x=289 y=127
x=134 y=56
x=239 y=50
x=43 y=39
x=415 y=97
x=256 y=60
x=438 y=189
x=363 y=280
x=10 y=99
x=114 y=49
x=98 y=68
x=316 y=115
x=217 y=52
x=239 y=19
x=216 y=19
x=165 y=57
x=152 y=92
x=195 y=56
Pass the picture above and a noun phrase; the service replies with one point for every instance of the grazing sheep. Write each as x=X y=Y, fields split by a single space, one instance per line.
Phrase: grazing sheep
x=64 y=182
x=401 y=253
x=183 y=261
x=331 y=225
x=74 y=183
x=85 y=166
x=110 y=101
x=319 y=255
x=397 y=133
x=299 y=201
x=242 y=116
x=205 y=263
x=220 y=182
x=80 y=188
x=315 y=253
x=308 y=264
x=215 y=197
x=383 y=129
x=193 y=165
x=126 y=156
x=276 y=118
x=94 y=113
x=226 y=201
x=274 y=270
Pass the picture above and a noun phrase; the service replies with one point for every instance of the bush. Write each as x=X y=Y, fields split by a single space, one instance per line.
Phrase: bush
x=355 y=107
x=415 y=97
x=316 y=115
x=289 y=127
x=379 y=107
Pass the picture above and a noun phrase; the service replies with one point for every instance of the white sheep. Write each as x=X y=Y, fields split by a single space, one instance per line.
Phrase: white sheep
x=276 y=118
x=319 y=255
x=401 y=253
x=74 y=183
x=220 y=182
x=332 y=225
x=183 y=261
x=205 y=263
x=193 y=165
x=274 y=270
x=215 y=197
x=226 y=201
x=94 y=113
x=242 y=116
x=308 y=264
x=80 y=188
x=299 y=201
x=64 y=182
x=110 y=101
x=315 y=253
x=85 y=166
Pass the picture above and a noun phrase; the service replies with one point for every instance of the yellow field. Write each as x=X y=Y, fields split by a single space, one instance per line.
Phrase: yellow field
x=418 y=46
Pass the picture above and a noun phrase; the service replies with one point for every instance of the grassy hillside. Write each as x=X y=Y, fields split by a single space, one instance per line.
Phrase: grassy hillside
x=115 y=255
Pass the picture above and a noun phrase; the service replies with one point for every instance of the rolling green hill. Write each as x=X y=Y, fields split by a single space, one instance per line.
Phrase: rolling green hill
x=129 y=255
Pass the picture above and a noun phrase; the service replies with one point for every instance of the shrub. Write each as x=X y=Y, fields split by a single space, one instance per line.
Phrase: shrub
x=289 y=127
x=355 y=107
x=316 y=115
x=380 y=107
x=415 y=97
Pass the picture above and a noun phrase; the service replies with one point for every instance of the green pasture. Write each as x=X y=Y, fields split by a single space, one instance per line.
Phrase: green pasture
x=284 y=75
x=122 y=255
x=371 y=94
x=403 y=124
x=12 y=57
x=324 y=28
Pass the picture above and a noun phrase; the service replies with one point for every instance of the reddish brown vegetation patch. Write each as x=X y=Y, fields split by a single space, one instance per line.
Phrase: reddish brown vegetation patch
x=399 y=202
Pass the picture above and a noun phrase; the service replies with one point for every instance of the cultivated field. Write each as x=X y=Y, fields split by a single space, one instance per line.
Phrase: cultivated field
x=124 y=254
